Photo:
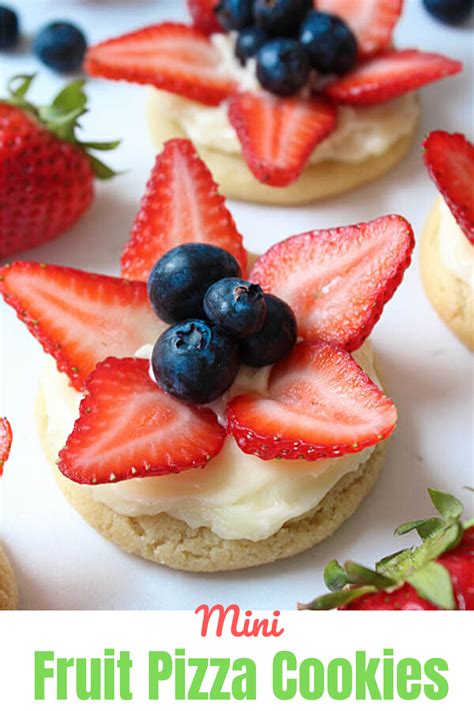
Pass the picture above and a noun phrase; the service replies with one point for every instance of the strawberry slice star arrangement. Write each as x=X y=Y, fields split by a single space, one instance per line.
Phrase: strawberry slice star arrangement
x=198 y=393
x=436 y=575
x=269 y=85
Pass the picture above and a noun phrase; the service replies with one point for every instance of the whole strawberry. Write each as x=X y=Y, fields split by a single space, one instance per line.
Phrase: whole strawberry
x=437 y=575
x=46 y=173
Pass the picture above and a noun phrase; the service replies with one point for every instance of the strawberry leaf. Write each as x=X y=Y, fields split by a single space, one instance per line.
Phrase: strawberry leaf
x=424 y=527
x=101 y=145
x=70 y=98
x=406 y=562
x=448 y=506
x=61 y=117
x=335 y=576
x=359 y=575
x=101 y=170
x=337 y=599
x=433 y=583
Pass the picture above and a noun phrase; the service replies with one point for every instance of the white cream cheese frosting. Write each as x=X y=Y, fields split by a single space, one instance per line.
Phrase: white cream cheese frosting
x=361 y=132
x=236 y=495
x=456 y=252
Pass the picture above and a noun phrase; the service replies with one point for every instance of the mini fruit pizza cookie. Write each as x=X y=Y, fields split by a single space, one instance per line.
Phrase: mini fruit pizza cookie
x=447 y=249
x=285 y=103
x=206 y=419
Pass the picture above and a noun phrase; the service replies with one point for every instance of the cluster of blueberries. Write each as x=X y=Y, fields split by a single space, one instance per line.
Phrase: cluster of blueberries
x=219 y=321
x=288 y=38
x=59 y=45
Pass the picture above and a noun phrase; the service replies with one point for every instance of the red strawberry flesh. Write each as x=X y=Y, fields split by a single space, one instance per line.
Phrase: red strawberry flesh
x=46 y=184
x=5 y=441
x=128 y=427
x=449 y=158
x=181 y=204
x=459 y=563
x=204 y=18
x=372 y=21
x=278 y=135
x=170 y=56
x=320 y=404
x=337 y=281
x=79 y=318
x=390 y=75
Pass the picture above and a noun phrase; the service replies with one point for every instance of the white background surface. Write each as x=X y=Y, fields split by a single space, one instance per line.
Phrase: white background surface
x=60 y=561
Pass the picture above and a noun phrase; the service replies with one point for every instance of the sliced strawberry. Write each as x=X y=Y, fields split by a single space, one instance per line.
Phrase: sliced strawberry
x=181 y=204
x=390 y=75
x=337 y=281
x=372 y=21
x=78 y=317
x=204 y=19
x=320 y=404
x=128 y=427
x=279 y=135
x=449 y=158
x=6 y=437
x=170 y=56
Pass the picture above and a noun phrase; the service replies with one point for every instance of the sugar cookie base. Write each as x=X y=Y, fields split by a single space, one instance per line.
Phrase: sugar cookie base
x=317 y=182
x=8 y=587
x=168 y=541
x=452 y=298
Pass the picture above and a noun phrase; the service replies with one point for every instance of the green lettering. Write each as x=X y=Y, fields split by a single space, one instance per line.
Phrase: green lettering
x=440 y=689
x=339 y=679
x=124 y=664
x=408 y=671
x=62 y=665
x=42 y=672
x=244 y=686
x=283 y=688
x=223 y=666
x=93 y=692
x=179 y=675
x=160 y=667
x=365 y=677
x=312 y=679
x=388 y=675
x=195 y=692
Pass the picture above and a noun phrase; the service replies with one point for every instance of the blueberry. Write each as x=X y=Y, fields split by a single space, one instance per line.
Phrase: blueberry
x=236 y=306
x=195 y=361
x=275 y=340
x=9 y=29
x=330 y=43
x=282 y=66
x=234 y=14
x=249 y=42
x=179 y=280
x=452 y=12
x=281 y=17
x=61 y=46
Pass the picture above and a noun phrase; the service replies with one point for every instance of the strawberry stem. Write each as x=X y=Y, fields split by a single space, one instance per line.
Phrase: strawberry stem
x=61 y=117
